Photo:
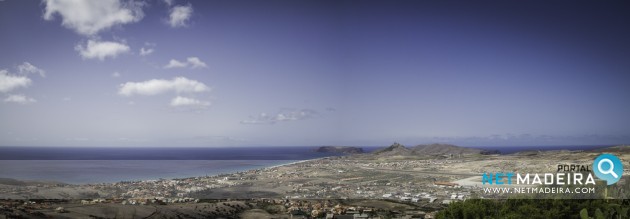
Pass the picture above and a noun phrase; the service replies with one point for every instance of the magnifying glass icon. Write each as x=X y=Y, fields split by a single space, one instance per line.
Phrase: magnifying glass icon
x=609 y=170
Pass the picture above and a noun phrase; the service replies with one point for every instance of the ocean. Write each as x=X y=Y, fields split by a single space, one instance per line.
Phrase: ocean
x=109 y=171
x=105 y=165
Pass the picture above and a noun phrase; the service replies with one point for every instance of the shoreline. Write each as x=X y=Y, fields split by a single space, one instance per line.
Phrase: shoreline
x=235 y=172
x=245 y=165
x=296 y=162
x=175 y=187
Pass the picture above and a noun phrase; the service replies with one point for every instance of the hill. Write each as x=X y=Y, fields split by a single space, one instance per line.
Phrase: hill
x=443 y=149
x=397 y=149
x=339 y=149
x=618 y=148
x=15 y=182
x=394 y=150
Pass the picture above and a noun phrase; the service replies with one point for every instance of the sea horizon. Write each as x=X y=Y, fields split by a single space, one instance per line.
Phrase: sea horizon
x=221 y=153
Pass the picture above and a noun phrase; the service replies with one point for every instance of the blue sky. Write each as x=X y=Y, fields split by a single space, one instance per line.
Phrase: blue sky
x=285 y=73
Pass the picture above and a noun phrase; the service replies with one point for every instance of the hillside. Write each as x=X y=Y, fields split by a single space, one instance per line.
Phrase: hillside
x=397 y=149
x=394 y=150
x=339 y=149
x=443 y=149
x=618 y=148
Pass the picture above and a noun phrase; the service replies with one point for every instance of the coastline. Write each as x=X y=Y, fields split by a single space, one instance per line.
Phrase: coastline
x=93 y=175
x=296 y=162
x=323 y=177
x=185 y=186
x=93 y=172
x=241 y=171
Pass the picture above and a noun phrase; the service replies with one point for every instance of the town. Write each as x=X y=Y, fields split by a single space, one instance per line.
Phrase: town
x=383 y=184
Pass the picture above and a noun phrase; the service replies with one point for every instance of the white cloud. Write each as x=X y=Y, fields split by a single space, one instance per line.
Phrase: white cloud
x=169 y=2
x=116 y=74
x=180 y=15
x=192 y=62
x=176 y=64
x=262 y=118
x=101 y=49
x=147 y=51
x=27 y=68
x=88 y=17
x=282 y=116
x=21 y=99
x=196 y=62
x=10 y=82
x=158 y=86
x=190 y=102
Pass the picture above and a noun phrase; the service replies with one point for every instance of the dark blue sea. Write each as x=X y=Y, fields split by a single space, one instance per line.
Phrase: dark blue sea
x=108 y=171
x=109 y=164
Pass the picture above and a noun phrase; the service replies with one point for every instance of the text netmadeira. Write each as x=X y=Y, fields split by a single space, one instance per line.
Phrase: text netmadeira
x=560 y=178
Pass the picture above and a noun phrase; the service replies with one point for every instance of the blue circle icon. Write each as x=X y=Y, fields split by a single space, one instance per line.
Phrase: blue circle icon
x=608 y=167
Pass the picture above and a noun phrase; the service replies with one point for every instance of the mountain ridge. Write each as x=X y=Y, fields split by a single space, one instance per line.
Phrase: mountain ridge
x=340 y=149
x=398 y=149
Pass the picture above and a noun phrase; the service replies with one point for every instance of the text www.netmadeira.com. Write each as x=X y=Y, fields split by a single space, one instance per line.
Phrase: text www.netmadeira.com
x=545 y=190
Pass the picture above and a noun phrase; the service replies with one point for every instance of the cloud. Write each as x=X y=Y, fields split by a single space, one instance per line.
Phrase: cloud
x=88 y=17
x=179 y=15
x=147 y=51
x=11 y=82
x=176 y=64
x=196 y=62
x=116 y=74
x=192 y=62
x=169 y=2
x=282 y=116
x=21 y=99
x=101 y=49
x=27 y=68
x=190 y=102
x=530 y=139
x=158 y=86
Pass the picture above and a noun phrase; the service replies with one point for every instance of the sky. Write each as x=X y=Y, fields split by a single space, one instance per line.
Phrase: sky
x=295 y=73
